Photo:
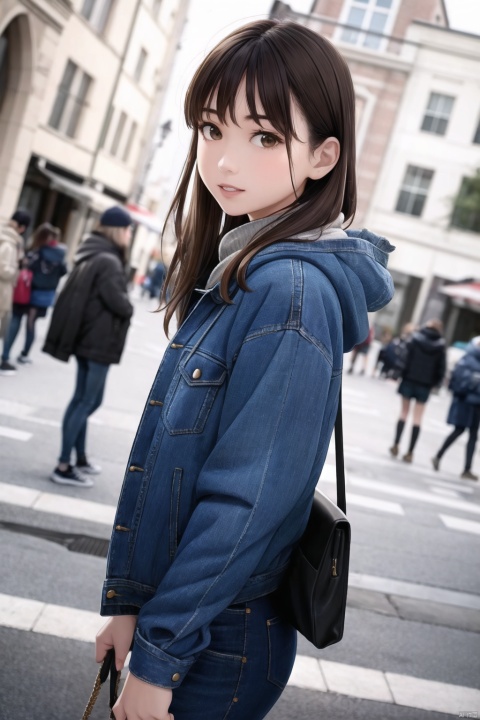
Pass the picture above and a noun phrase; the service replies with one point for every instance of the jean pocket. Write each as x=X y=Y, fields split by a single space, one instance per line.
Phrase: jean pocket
x=190 y=398
x=281 y=651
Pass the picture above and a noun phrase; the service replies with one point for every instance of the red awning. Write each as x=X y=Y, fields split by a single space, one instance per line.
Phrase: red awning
x=470 y=292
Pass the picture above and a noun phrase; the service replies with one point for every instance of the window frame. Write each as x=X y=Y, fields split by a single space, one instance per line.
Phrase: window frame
x=97 y=13
x=140 y=66
x=378 y=44
x=412 y=196
x=117 y=137
x=70 y=99
x=437 y=119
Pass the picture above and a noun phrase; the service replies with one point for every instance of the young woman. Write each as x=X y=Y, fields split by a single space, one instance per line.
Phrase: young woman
x=46 y=260
x=91 y=320
x=269 y=293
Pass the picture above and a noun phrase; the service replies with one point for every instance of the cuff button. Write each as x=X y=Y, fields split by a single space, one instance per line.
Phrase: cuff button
x=111 y=594
x=176 y=677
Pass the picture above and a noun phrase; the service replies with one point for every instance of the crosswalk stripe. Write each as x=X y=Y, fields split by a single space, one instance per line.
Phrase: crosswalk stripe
x=13 y=434
x=456 y=523
x=308 y=673
x=57 y=504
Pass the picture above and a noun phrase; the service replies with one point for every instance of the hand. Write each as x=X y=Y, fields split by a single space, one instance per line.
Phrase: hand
x=117 y=633
x=141 y=701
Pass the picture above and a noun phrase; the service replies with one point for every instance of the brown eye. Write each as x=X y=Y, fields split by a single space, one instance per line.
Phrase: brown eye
x=210 y=132
x=265 y=140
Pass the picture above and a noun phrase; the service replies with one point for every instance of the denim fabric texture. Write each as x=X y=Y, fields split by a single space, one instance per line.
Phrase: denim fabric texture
x=87 y=397
x=231 y=444
x=245 y=668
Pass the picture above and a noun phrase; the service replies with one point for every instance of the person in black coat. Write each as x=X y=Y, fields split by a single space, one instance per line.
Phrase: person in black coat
x=464 y=411
x=90 y=320
x=424 y=369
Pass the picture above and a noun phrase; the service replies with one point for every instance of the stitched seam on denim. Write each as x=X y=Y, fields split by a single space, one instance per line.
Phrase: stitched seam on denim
x=297 y=294
x=206 y=331
x=245 y=623
x=271 y=329
x=207 y=651
x=250 y=518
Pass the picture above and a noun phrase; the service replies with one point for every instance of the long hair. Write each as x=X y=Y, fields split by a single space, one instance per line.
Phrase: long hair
x=43 y=235
x=282 y=61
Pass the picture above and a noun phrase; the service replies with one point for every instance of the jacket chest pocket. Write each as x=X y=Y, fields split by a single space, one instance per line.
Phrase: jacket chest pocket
x=190 y=398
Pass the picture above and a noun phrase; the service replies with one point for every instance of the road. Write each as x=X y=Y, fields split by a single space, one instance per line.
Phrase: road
x=411 y=644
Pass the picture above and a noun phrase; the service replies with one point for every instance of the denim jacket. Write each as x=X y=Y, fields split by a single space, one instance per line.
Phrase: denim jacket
x=232 y=441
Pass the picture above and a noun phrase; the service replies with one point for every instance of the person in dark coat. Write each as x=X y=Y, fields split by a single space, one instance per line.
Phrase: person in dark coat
x=464 y=411
x=90 y=320
x=424 y=369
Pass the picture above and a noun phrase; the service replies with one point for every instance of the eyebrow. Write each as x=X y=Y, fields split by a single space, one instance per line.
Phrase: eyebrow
x=212 y=111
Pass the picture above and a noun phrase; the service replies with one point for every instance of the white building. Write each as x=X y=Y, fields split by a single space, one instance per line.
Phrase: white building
x=433 y=150
x=81 y=87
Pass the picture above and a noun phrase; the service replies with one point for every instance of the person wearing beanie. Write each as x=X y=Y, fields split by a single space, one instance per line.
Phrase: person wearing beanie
x=11 y=254
x=464 y=410
x=90 y=320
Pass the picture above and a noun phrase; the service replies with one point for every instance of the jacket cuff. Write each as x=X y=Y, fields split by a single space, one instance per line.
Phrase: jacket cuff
x=156 y=667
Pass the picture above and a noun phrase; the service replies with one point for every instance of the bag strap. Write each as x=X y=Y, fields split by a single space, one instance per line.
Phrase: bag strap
x=339 y=459
x=107 y=668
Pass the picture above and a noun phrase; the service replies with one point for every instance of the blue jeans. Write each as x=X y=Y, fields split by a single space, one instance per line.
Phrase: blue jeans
x=88 y=396
x=12 y=332
x=245 y=668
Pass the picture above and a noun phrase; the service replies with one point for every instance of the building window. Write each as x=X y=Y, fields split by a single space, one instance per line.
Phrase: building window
x=437 y=113
x=118 y=133
x=466 y=211
x=140 y=65
x=367 y=15
x=476 y=137
x=156 y=7
x=97 y=12
x=414 y=190
x=70 y=100
x=129 y=143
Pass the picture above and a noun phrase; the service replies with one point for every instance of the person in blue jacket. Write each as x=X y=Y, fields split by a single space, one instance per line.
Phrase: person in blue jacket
x=46 y=261
x=464 y=411
x=269 y=292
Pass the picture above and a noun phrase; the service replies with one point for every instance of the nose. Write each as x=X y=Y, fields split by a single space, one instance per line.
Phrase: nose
x=227 y=162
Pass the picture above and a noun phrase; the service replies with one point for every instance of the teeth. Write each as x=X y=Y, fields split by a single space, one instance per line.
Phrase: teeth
x=229 y=188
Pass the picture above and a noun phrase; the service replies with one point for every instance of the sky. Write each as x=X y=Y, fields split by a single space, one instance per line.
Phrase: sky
x=207 y=23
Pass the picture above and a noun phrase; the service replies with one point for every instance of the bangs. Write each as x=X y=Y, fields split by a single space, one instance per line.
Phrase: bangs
x=217 y=81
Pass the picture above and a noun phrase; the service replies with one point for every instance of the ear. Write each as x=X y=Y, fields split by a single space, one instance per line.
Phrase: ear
x=324 y=158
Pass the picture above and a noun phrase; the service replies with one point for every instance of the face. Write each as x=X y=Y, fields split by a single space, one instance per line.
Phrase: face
x=126 y=236
x=246 y=166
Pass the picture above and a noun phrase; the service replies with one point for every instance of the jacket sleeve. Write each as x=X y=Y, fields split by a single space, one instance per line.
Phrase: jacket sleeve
x=112 y=290
x=442 y=367
x=260 y=469
x=8 y=262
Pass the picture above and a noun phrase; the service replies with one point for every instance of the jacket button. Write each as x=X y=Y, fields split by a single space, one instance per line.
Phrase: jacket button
x=111 y=594
x=197 y=374
x=176 y=677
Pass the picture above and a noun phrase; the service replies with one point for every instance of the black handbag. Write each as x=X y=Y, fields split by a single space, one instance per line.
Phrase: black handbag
x=107 y=668
x=314 y=595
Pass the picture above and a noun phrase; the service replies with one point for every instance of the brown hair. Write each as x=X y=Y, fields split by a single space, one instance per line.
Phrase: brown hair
x=283 y=61
x=43 y=234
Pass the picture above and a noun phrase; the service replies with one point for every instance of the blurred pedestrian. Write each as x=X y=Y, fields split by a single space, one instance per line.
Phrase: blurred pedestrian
x=11 y=254
x=46 y=263
x=153 y=282
x=464 y=411
x=90 y=320
x=361 y=349
x=395 y=354
x=424 y=369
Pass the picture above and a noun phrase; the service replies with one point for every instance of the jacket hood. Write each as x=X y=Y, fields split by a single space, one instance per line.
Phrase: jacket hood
x=473 y=350
x=10 y=235
x=95 y=244
x=355 y=262
x=429 y=339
